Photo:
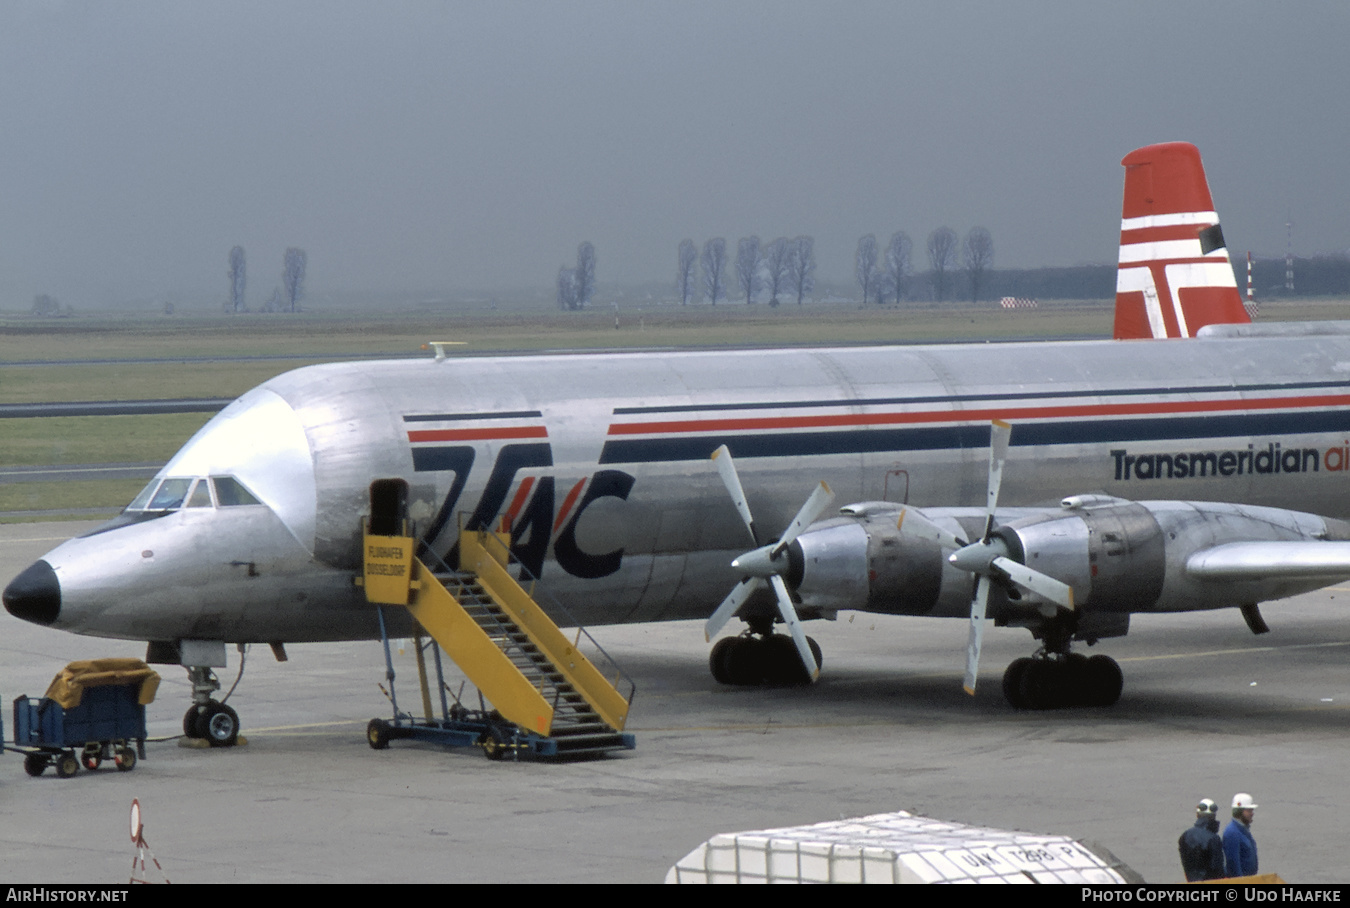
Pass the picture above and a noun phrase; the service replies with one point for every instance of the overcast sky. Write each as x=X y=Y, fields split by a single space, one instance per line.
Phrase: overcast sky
x=456 y=146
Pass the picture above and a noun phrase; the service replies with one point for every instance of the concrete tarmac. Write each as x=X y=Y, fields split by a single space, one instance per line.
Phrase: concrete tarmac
x=1208 y=710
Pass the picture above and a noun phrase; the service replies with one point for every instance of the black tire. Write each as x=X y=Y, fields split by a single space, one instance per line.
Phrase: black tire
x=190 y=723
x=494 y=748
x=377 y=734
x=67 y=765
x=1042 y=685
x=780 y=662
x=125 y=759
x=218 y=724
x=719 y=660
x=35 y=764
x=92 y=759
x=746 y=661
x=1105 y=680
x=1075 y=687
x=815 y=651
x=1012 y=682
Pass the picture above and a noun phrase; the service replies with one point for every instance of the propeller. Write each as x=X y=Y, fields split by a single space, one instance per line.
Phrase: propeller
x=988 y=560
x=764 y=565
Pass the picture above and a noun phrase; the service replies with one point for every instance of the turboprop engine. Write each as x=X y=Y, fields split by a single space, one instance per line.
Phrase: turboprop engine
x=1118 y=556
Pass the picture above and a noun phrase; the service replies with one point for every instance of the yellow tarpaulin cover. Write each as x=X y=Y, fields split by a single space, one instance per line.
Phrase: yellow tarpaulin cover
x=68 y=687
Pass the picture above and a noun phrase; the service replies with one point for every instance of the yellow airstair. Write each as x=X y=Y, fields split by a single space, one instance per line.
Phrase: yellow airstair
x=547 y=698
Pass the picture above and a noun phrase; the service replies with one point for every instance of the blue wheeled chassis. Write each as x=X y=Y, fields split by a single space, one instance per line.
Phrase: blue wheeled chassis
x=102 y=727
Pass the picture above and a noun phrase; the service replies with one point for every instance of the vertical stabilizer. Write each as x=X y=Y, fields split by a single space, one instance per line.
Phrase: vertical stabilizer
x=1175 y=276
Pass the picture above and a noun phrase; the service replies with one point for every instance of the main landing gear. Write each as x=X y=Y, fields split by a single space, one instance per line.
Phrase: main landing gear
x=760 y=659
x=1055 y=678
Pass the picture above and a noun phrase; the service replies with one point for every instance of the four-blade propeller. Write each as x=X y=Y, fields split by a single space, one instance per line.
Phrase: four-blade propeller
x=766 y=564
x=987 y=558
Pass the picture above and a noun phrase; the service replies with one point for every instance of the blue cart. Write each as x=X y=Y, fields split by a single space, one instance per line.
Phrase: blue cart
x=93 y=711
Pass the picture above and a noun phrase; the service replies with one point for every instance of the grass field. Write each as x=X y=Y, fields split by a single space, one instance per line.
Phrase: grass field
x=81 y=347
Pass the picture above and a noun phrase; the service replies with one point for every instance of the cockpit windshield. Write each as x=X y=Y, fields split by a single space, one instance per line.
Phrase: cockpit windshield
x=175 y=492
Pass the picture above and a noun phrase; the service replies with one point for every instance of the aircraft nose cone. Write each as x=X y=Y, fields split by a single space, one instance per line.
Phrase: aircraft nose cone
x=34 y=595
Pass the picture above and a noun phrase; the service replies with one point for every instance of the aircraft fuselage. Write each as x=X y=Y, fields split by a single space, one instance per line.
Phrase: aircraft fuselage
x=600 y=462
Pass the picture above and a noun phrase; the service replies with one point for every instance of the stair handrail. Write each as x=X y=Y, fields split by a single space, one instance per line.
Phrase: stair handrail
x=537 y=588
x=461 y=588
x=616 y=671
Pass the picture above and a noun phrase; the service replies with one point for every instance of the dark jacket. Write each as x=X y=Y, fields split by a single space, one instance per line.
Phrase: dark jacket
x=1239 y=848
x=1202 y=851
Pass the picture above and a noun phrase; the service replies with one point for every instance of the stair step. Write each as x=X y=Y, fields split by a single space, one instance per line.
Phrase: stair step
x=577 y=728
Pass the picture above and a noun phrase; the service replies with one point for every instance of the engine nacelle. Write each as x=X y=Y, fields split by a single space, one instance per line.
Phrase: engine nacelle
x=1119 y=556
x=862 y=560
x=1123 y=556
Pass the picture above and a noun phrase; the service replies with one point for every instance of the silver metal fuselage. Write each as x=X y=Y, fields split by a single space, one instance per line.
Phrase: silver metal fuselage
x=601 y=463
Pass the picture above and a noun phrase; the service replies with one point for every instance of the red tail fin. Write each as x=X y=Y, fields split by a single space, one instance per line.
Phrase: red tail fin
x=1174 y=276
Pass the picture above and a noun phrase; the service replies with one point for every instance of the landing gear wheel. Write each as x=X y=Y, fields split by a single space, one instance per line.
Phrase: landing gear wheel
x=1012 y=682
x=1042 y=684
x=745 y=661
x=719 y=660
x=815 y=651
x=1103 y=681
x=67 y=765
x=35 y=764
x=750 y=660
x=377 y=734
x=781 y=663
x=218 y=724
x=125 y=759
x=190 y=723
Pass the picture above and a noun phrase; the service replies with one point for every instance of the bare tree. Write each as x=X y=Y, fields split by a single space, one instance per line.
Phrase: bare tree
x=882 y=286
x=686 y=271
x=46 y=306
x=777 y=266
x=714 y=264
x=942 y=257
x=585 y=275
x=979 y=255
x=802 y=268
x=897 y=269
x=293 y=277
x=238 y=278
x=865 y=264
x=567 y=288
x=747 y=267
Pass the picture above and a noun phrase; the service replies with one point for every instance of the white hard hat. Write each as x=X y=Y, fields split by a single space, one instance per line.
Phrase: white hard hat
x=1206 y=806
x=1243 y=801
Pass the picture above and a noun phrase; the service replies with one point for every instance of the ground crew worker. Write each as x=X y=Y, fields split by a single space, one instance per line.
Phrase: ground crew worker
x=1200 y=846
x=1239 y=847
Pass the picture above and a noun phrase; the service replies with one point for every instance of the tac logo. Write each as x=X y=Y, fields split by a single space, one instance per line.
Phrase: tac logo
x=534 y=514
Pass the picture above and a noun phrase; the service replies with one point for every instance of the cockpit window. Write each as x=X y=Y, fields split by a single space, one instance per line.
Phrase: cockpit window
x=201 y=495
x=231 y=493
x=169 y=495
x=140 y=501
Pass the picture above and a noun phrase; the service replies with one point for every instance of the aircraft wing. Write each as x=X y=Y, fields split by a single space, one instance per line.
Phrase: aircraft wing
x=1303 y=560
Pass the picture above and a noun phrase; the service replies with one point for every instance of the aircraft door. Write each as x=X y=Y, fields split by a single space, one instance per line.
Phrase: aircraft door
x=389 y=507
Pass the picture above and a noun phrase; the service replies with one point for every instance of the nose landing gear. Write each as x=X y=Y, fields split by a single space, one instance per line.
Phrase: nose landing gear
x=208 y=719
x=213 y=722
